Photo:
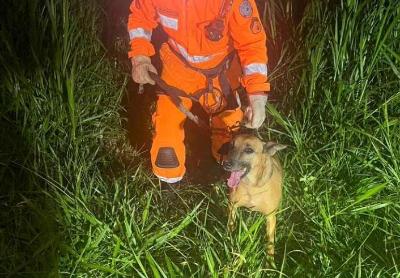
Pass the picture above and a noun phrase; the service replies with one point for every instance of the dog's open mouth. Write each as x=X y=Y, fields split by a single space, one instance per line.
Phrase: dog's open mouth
x=235 y=178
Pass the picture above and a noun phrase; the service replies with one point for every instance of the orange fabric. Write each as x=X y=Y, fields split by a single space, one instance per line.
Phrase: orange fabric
x=168 y=120
x=184 y=22
x=175 y=73
x=168 y=132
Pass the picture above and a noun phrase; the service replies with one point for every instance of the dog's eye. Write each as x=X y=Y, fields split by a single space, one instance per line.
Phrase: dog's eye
x=248 y=150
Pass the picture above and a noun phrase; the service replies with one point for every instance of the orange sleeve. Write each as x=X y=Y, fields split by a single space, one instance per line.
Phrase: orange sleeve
x=249 y=40
x=141 y=22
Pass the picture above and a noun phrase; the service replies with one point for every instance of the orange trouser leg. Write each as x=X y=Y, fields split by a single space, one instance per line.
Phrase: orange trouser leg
x=168 y=150
x=222 y=125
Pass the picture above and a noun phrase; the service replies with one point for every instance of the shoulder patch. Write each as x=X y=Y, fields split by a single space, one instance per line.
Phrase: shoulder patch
x=245 y=9
x=255 y=25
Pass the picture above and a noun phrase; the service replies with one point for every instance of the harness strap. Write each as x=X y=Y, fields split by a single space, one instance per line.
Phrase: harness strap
x=217 y=71
x=175 y=94
x=225 y=8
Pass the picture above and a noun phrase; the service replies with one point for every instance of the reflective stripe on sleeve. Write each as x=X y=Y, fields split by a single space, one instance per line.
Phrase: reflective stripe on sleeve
x=255 y=68
x=139 y=33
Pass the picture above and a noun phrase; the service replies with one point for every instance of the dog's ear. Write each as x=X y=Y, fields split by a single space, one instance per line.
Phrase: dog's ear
x=271 y=148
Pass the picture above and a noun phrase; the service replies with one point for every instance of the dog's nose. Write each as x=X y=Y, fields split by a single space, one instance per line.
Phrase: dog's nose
x=227 y=164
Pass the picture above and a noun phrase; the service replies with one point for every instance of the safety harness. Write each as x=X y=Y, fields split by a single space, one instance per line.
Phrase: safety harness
x=220 y=72
x=175 y=95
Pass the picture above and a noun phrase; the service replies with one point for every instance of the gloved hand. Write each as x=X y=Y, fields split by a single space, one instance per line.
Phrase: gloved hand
x=141 y=65
x=255 y=112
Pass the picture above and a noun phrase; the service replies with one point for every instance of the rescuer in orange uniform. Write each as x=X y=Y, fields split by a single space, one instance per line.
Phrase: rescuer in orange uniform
x=201 y=35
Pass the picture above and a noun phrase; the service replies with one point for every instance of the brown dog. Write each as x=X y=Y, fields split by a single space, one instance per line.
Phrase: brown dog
x=255 y=181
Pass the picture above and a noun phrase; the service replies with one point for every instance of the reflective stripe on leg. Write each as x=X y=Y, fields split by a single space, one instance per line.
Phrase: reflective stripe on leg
x=169 y=180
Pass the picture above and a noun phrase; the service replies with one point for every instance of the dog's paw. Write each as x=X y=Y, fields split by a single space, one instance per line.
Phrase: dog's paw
x=231 y=226
x=271 y=261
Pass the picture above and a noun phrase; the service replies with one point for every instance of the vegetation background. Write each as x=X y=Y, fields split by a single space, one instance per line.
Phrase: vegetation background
x=76 y=199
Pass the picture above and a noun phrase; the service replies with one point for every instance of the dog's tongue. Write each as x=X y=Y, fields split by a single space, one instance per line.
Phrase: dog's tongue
x=234 y=179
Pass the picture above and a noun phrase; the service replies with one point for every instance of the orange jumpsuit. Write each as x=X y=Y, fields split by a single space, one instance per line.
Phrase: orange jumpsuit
x=184 y=22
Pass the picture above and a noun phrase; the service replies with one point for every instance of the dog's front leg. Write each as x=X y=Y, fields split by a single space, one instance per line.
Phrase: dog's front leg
x=271 y=224
x=232 y=208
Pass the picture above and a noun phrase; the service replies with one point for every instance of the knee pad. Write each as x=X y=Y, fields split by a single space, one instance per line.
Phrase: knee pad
x=166 y=158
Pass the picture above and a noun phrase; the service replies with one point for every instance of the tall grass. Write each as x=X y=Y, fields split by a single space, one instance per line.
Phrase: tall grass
x=77 y=201
x=342 y=111
x=59 y=114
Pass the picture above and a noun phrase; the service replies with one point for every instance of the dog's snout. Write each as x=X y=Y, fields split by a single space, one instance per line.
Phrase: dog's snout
x=227 y=164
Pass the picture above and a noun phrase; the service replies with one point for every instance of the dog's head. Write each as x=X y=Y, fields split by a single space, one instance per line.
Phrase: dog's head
x=245 y=152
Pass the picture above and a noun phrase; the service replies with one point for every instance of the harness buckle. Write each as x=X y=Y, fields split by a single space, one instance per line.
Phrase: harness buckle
x=213 y=101
x=214 y=30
